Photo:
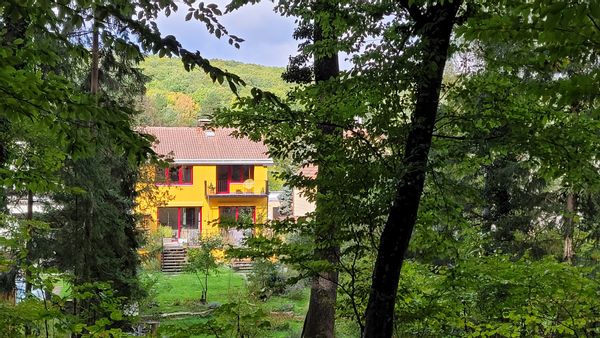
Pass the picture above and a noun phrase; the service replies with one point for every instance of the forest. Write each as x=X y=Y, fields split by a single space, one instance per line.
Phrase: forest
x=175 y=97
x=457 y=190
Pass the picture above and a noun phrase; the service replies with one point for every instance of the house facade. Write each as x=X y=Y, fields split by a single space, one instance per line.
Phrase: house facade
x=301 y=205
x=212 y=177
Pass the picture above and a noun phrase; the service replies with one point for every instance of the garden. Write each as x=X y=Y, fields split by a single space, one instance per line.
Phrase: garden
x=249 y=304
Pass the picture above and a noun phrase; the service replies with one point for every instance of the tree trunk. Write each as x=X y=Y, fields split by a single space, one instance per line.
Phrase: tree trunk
x=94 y=84
x=15 y=22
x=29 y=247
x=569 y=228
x=437 y=26
x=320 y=318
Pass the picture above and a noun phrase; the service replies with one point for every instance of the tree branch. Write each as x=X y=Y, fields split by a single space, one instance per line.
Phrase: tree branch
x=413 y=10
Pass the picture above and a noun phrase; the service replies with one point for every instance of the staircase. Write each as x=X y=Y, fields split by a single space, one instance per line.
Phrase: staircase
x=242 y=265
x=173 y=259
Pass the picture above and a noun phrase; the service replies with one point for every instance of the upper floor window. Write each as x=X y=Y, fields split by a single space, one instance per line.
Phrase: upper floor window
x=240 y=173
x=179 y=174
x=235 y=173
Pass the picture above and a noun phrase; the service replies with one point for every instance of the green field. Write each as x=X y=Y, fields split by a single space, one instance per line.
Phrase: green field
x=176 y=293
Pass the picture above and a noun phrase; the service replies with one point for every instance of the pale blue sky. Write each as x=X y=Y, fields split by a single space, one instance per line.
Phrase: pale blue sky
x=268 y=35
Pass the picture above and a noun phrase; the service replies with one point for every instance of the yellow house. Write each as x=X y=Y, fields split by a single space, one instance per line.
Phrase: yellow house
x=213 y=176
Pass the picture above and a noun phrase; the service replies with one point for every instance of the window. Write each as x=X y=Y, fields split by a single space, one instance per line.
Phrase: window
x=173 y=174
x=186 y=176
x=181 y=174
x=237 y=214
x=235 y=173
x=232 y=174
x=230 y=215
x=168 y=217
x=184 y=222
x=240 y=173
x=159 y=175
x=190 y=218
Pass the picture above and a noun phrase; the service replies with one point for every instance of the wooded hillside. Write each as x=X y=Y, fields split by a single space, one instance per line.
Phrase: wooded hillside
x=175 y=97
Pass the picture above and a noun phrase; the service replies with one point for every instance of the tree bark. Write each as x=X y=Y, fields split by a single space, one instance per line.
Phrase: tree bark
x=94 y=83
x=437 y=25
x=569 y=228
x=320 y=317
x=29 y=247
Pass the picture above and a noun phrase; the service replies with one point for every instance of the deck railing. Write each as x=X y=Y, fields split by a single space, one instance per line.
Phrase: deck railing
x=224 y=187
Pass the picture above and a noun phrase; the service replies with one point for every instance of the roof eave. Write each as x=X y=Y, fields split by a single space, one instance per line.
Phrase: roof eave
x=262 y=161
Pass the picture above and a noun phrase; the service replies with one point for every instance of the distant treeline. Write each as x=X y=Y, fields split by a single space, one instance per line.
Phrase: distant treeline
x=175 y=97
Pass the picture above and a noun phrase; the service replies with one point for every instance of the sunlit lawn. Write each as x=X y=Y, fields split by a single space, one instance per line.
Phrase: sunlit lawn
x=181 y=293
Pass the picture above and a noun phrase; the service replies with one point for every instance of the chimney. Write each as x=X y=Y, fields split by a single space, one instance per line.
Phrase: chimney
x=204 y=124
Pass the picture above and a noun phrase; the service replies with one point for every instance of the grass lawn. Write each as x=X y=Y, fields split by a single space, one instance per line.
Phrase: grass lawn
x=181 y=293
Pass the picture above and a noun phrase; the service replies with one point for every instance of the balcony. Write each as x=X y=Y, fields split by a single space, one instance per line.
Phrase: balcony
x=248 y=188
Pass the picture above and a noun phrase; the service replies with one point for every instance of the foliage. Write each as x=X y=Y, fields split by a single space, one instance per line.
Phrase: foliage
x=266 y=279
x=202 y=262
x=286 y=202
x=496 y=296
x=48 y=316
x=81 y=148
x=237 y=319
x=512 y=138
x=45 y=313
x=96 y=234
x=178 y=98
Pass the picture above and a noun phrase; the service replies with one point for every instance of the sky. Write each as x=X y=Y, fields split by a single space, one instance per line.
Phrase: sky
x=267 y=35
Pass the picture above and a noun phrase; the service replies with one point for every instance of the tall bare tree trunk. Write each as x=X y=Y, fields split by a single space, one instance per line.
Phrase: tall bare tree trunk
x=95 y=59
x=320 y=318
x=569 y=222
x=29 y=247
x=437 y=23
x=84 y=275
x=569 y=228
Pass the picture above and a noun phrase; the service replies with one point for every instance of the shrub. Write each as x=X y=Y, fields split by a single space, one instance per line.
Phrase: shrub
x=266 y=279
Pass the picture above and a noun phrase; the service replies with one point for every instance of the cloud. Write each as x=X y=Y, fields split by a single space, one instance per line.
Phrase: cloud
x=267 y=35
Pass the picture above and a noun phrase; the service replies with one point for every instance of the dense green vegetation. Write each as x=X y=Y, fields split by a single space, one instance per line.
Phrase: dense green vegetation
x=175 y=97
x=457 y=192
x=181 y=293
x=442 y=191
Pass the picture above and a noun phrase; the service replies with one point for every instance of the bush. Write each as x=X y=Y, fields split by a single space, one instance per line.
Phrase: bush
x=153 y=245
x=267 y=279
x=495 y=296
x=295 y=291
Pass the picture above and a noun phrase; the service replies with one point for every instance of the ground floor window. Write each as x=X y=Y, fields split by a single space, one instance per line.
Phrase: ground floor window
x=231 y=215
x=185 y=223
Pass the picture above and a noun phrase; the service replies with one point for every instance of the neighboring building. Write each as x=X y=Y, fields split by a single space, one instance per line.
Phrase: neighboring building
x=213 y=176
x=274 y=204
x=300 y=204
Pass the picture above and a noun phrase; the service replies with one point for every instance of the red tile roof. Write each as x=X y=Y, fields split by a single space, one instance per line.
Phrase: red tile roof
x=309 y=171
x=195 y=145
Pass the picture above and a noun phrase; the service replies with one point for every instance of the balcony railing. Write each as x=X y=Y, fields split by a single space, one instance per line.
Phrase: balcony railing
x=222 y=187
x=225 y=188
